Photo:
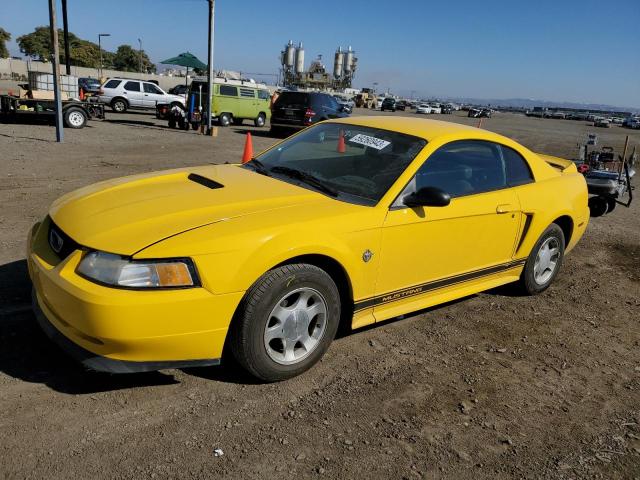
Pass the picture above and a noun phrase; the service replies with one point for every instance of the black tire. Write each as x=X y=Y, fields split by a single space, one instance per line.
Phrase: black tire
x=611 y=204
x=75 y=117
x=224 y=119
x=260 y=120
x=247 y=332
x=172 y=123
x=598 y=206
x=195 y=125
x=181 y=123
x=119 y=105
x=528 y=282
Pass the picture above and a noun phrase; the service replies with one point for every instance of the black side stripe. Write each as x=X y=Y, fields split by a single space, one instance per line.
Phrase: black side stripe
x=435 y=285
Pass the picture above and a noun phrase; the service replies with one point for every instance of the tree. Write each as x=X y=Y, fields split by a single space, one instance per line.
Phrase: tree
x=127 y=59
x=4 y=38
x=37 y=45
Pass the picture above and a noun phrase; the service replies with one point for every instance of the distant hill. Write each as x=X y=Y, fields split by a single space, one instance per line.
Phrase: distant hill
x=530 y=103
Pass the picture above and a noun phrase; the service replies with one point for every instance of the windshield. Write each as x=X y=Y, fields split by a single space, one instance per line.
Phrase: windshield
x=357 y=164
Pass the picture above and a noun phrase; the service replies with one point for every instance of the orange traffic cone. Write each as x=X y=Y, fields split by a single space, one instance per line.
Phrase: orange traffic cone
x=341 y=146
x=248 y=149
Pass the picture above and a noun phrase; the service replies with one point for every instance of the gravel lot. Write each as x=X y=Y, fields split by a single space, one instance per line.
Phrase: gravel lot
x=492 y=386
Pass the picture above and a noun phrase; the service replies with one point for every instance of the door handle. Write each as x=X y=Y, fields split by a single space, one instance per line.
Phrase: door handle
x=505 y=208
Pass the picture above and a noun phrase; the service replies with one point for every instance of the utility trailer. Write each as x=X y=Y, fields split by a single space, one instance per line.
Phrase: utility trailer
x=27 y=110
x=608 y=177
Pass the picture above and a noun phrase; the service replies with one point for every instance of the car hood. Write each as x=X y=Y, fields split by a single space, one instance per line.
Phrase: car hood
x=173 y=97
x=125 y=215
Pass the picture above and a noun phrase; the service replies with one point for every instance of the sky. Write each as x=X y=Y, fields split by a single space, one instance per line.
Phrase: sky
x=585 y=51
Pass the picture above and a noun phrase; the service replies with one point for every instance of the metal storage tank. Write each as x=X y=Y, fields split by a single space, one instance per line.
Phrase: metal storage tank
x=299 y=59
x=289 y=54
x=338 y=61
x=348 y=60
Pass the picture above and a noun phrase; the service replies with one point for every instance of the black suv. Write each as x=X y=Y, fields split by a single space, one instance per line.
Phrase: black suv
x=297 y=110
x=388 y=104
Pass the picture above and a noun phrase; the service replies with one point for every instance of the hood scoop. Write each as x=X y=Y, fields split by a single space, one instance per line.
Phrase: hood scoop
x=207 y=182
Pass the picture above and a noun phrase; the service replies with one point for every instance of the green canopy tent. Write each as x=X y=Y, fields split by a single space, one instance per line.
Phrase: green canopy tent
x=185 y=59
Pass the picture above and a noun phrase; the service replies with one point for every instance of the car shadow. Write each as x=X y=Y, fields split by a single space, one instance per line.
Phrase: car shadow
x=26 y=353
x=259 y=132
x=139 y=123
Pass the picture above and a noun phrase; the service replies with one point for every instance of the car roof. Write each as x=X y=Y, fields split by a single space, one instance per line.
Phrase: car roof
x=418 y=127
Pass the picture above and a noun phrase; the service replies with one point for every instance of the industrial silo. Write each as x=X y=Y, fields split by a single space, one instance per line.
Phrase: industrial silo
x=299 y=59
x=338 y=61
x=348 y=60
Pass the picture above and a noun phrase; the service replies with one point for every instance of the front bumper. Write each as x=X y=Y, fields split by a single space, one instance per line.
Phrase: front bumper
x=106 y=364
x=118 y=330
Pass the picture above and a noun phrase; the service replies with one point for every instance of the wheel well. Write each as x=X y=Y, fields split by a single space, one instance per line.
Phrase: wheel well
x=120 y=98
x=566 y=225
x=339 y=275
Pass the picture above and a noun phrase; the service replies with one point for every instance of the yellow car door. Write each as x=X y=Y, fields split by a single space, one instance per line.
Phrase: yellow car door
x=430 y=250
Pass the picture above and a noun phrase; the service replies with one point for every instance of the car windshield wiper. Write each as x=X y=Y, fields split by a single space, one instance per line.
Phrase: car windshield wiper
x=258 y=167
x=306 y=178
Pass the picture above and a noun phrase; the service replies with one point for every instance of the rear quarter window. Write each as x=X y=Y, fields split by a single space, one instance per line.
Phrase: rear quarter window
x=112 y=83
x=517 y=168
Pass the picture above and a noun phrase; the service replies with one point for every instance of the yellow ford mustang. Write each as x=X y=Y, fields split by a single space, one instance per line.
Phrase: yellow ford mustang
x=351 y=221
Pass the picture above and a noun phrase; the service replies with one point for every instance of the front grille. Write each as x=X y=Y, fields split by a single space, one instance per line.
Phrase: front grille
x=61 y=243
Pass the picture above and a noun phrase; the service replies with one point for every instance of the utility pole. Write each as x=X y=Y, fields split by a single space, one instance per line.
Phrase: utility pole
x=100 y=35
x=212 y=4
x=65 y=26
x=140 y=56
x=55 y=62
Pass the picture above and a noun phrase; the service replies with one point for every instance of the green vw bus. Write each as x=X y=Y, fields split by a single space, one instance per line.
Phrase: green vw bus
x=233 y=101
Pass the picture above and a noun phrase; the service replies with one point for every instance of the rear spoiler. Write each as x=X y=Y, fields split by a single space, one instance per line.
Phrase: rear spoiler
x=565 y=166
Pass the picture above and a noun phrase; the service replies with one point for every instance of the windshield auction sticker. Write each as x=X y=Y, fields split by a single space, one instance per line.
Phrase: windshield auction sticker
x=368 y=141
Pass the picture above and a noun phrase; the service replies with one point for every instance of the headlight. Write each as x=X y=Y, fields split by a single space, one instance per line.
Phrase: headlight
x=123 y=272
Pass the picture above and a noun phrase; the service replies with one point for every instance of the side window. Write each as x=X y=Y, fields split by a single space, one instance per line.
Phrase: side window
x=112 y=84
x=264 y=94
x=132 y=86
x=151 y=88
x=518 y=171
x=228 y=90
x=247 y=92
x=464 y=168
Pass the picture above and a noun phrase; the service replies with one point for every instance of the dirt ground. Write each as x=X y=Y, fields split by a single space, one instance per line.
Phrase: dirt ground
x=493 y=386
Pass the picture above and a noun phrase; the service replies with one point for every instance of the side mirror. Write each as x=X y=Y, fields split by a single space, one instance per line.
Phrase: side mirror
x=427 y=197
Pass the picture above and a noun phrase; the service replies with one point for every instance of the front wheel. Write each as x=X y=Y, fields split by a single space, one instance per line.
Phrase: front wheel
x=286 y=322
x=544 y=261
x=260 y=120
x=224 y=119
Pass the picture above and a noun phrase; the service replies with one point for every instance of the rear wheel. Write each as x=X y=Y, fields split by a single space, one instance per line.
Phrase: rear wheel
x=119 y=105
x=286 y=322
x=172 y=123
x=75 y=118
x=260 y=120
x=544 y=261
